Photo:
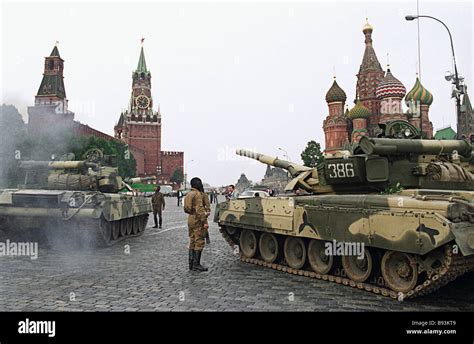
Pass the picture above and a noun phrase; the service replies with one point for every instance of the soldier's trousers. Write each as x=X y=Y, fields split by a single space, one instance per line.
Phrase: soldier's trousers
x=159 y=216
x=196 y=238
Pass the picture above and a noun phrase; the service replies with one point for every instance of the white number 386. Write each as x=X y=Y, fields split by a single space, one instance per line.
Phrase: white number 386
x=341 y=170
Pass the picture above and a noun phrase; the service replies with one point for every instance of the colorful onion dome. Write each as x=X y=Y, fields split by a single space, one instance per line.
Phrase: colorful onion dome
x=335 y=93
x=390 y=87
x=419 y=94
x=358 y=111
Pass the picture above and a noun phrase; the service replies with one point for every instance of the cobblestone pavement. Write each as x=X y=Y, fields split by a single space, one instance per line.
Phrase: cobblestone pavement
x=154 y=277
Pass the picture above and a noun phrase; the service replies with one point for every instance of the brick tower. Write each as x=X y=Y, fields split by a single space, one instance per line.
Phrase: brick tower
x=419 y=100
x=140 y=126
x=369 y=76
x=336 y=124
x=50 y=111
x=390 y=91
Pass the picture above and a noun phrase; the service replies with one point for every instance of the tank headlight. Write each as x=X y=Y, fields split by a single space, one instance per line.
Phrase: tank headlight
x=407 y=132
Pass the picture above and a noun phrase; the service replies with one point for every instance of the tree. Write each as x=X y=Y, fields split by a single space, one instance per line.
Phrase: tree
x=12 y=134
x=125 y=161
x=177 y=176
x=312 y=155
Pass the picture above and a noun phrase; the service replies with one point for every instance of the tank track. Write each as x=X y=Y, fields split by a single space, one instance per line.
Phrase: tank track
x=105 y=236
x=454 y=265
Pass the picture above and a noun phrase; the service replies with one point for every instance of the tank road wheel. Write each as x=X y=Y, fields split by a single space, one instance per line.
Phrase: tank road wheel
x=123 y=227
x=319 y=261
x=129 y=225
x=248 y=243
x=268 y=245
x=358 y=270
x=143 y=223
x=135 y=225
x=399 y=271
x=295 y=252
x=115 y=230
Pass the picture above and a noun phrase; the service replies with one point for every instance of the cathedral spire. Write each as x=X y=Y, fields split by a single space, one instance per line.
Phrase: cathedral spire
x=369 y=61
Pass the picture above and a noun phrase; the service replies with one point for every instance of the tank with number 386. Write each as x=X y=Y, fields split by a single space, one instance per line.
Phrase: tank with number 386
x=395 y=216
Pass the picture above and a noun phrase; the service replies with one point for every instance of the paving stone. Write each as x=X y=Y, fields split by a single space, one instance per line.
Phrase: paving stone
x=155 y=274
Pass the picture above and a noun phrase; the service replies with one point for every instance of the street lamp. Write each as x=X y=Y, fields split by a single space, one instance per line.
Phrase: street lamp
x=456 y=79
x=286 y=153
x=185 y=173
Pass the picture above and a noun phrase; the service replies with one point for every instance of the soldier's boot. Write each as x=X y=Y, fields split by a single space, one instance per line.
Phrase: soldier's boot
x=191 y=259
x=197 y=262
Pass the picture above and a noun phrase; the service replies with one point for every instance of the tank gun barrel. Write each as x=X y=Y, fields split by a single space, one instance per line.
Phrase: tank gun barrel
x=291 y=167
x=385 y=146
x=139 y=180
x=57 y=165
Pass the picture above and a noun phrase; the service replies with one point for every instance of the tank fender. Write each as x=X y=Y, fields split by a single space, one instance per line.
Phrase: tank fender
x=464 y=237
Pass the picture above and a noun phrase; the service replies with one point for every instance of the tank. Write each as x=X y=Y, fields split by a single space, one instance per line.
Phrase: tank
x=394 y=217
x=74 y=200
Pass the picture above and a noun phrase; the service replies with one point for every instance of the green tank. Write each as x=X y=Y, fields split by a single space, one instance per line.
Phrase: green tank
x=74 y=200
x=394 y=217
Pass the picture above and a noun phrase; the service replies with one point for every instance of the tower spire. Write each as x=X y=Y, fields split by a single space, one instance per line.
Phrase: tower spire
x=369 y=61
x=141 y=61
x=55 y=51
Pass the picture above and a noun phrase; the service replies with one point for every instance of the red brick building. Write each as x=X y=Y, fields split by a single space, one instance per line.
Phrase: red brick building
x=140 y=127
x=378 y=99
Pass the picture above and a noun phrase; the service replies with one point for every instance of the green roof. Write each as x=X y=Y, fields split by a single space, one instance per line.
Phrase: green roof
x=141 y=63
x=358 y=111
x=55 y=52
x=445 y=134
x=121 y=120
x=52 y=85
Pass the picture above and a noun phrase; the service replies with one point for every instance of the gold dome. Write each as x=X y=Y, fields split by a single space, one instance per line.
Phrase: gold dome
x=367 y=26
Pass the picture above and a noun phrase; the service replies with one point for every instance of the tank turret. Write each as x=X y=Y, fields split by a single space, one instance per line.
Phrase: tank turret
x=83 y=175
x=380 y=163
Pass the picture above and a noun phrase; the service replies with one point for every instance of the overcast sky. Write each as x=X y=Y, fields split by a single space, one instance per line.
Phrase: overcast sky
x=228 y=75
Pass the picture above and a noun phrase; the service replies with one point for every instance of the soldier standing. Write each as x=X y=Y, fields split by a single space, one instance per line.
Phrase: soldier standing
x=158 y=201
x=195 y=207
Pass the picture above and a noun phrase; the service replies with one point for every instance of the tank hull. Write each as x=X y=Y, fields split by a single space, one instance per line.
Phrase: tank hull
x=103 y=218
x=428 y=232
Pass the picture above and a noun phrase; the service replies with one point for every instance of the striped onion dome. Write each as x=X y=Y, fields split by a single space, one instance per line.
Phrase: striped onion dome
x=358 y=111
x=390 y=87
x=419 y=94
x=335 y=94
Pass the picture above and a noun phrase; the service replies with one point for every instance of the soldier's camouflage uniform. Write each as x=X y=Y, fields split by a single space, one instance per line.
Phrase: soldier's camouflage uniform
x=194 y=206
